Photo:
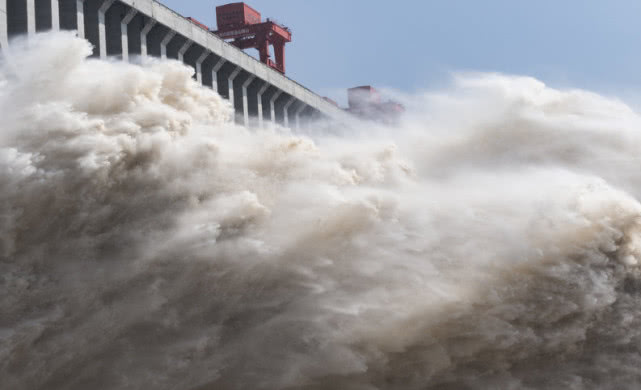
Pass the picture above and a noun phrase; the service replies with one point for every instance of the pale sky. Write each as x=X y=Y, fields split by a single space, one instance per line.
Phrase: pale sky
x=412 y=45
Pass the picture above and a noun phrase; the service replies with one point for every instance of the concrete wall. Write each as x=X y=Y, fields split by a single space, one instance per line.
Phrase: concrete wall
x=116 y=26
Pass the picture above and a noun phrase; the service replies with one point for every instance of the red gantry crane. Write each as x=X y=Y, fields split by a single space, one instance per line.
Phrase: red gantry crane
x=244 y=26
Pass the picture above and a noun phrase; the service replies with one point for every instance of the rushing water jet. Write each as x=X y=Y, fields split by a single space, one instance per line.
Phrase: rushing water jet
x=491 y=240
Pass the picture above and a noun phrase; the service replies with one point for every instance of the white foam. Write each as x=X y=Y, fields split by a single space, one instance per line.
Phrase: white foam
x=490 y=240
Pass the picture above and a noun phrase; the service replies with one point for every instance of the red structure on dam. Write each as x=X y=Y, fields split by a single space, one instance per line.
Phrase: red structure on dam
x=244 y=26
x=366 y=102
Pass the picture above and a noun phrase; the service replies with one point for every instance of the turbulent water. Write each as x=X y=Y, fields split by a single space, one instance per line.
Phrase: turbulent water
x=488 y=241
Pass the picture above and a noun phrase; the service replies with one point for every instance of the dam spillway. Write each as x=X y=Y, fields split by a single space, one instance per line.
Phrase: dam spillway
x=140 y=28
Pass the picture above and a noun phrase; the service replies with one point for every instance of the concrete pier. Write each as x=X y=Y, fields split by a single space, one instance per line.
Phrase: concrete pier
x=230 y=82
x=4 y=37
x=272 y=104
x=143 y=36
x=169 y=35
x=31 y=17
x=80 y=18
x=102 y=28
x=214 y=72
x=55 y=15
x=259 y=102
x=124 y=33
x=286 y=112
x=246 y=84
x=183 y=50
x=140 y=28
x=297 y=114
x=199 y=66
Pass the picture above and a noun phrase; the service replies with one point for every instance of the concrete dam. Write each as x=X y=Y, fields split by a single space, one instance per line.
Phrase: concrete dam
x=139 y=28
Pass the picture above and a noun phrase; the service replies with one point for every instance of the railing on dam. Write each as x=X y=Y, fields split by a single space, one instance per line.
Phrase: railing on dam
x=141 y=28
